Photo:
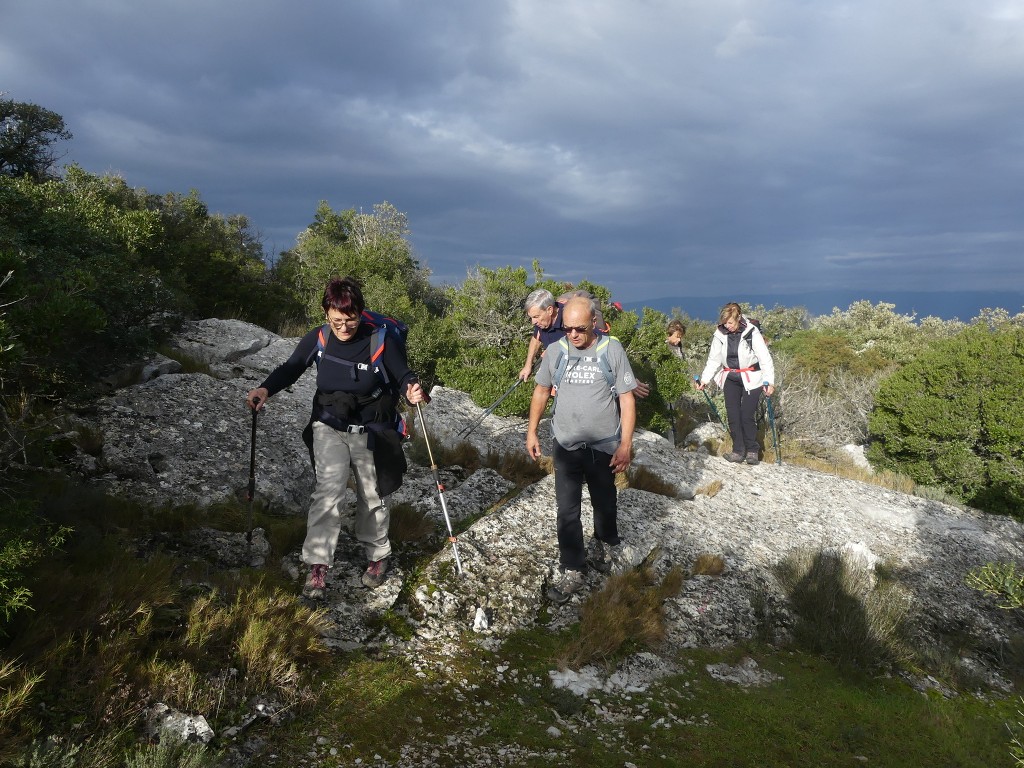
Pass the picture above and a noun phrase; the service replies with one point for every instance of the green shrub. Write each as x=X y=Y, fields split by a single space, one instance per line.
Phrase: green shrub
x=24 y=540
x=954 y=418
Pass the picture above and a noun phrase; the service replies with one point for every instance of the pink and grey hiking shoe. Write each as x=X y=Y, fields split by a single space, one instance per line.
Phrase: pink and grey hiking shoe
x=375 y=573
x=315 y=582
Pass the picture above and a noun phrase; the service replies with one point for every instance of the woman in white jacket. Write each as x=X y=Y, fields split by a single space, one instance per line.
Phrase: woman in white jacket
x=739 y=363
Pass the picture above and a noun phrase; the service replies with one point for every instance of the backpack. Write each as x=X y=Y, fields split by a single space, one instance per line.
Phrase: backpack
x=562 y=362
x=385 y=329
x=747 y=332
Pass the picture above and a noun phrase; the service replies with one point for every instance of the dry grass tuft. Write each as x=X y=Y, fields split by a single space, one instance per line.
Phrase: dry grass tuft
x=517 y=467
x=547 y=464
x=89 y=439
x=894 y=481
x=846 y=612
x=409 y=524
x=293 y=327
x=627 y=610
x=711 y=489
x=708 y=565
x=269 y=633
x=16 y=686
x=643 y=479
x=188 y=363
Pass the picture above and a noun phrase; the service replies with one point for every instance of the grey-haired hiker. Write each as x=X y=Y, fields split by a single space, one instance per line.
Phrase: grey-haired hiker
x=593 y=427
x=354 y=427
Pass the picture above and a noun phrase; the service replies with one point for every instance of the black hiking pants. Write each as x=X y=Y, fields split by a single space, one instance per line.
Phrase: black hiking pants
x=741 y=408
x=572 y=469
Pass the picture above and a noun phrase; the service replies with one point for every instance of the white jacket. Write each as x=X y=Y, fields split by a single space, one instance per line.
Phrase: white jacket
x=754 y=352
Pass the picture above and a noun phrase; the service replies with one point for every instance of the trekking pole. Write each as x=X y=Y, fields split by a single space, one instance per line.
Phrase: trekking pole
x=440 y=491
x=466 y=432
x=771 y=421
x=710 y=403
x=252 y=471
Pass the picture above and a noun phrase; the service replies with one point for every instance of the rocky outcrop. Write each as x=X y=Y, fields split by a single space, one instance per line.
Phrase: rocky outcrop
x=186 y=437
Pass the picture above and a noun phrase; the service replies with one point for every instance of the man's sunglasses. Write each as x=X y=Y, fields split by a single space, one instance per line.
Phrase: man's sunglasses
x=580 y=329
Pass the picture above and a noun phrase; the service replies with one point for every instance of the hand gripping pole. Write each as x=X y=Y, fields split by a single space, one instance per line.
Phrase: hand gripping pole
x=711 y=403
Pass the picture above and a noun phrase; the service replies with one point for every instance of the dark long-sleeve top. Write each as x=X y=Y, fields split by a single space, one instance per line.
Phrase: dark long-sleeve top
x=357 y=379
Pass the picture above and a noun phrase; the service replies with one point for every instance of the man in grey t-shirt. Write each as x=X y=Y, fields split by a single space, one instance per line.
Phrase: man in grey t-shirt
x=593 y=433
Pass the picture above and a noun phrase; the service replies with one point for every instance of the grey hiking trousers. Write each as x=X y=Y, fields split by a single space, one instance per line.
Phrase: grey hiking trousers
x=336 y=453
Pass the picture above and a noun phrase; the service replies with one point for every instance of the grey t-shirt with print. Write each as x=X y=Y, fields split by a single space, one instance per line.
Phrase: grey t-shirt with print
x=585 y=409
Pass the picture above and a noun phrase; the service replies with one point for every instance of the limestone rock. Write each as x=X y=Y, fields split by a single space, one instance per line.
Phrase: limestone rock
x=186 y=438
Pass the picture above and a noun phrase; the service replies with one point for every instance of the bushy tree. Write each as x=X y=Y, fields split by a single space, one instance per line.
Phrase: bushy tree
x=821 y=354
x=654 y=364
x=373 y=248
x=954 y=417
x=779 y=322
x=490 y=335
x=79 y=292
x=28 y=134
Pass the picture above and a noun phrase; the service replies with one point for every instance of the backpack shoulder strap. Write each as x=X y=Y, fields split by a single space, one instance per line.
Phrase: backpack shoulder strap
x=560 y=363
x=378 y=338
x=602 y=361
x=748 y=336
x=321 y=345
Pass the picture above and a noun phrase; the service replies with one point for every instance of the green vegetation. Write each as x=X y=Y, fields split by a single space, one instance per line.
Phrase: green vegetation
x=954 y=418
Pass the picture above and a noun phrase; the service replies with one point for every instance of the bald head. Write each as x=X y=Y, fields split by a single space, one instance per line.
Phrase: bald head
x=579 y=314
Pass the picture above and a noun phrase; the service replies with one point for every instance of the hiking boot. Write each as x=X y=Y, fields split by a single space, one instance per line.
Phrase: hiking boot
x=315 y=582
x=736 y=458
x=752 y=458
x=567 y=584
x=597 y=555
x=375 y=573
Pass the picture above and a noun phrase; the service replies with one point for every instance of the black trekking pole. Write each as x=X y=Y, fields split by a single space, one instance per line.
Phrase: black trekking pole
x=252 y=470
x=710 y=403
x=466 y=432
x=440 y=492
x=771 y=421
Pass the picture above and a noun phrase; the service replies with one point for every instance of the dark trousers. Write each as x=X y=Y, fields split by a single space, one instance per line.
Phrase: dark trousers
x=741 y=408
x=572 y=469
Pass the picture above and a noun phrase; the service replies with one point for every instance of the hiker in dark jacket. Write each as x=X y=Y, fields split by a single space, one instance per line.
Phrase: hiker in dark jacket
x=739 y=362
x=354 y=417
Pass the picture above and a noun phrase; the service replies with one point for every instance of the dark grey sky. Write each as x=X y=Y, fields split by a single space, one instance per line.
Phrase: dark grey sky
x=659 y=147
